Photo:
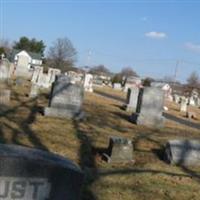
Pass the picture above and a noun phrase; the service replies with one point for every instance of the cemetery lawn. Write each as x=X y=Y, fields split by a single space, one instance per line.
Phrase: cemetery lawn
x=84 y=141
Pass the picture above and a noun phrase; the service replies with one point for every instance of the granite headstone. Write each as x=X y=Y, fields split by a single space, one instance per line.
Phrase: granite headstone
x=149 y=107
x=31 y=174
x=183 y=152
x=120 y=150
x=66 y=99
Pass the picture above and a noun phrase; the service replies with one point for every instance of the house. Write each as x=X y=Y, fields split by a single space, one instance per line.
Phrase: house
x=25 y=61
x=29 y=59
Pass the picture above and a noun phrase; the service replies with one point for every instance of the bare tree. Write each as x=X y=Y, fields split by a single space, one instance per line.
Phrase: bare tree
x=128 y=71
x=62 y=54
x=100 y=70
x=193 y=80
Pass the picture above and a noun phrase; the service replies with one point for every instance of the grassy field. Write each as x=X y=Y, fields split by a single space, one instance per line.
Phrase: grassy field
x=149 y=178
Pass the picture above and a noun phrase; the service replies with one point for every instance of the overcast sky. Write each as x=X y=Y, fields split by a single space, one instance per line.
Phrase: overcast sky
x=149 y=37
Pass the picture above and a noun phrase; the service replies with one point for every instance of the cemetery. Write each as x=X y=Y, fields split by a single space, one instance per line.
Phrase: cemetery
x=109 y=153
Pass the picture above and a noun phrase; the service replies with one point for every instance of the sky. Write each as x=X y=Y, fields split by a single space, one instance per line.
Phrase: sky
x=154 y=38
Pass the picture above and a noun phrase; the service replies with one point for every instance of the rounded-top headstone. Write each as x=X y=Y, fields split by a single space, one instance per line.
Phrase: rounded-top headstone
x=31 y=174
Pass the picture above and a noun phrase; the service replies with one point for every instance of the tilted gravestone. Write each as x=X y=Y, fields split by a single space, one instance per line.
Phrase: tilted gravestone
x=183 y=152
x=183 y=105
x=31 y=174
x=149 y=107
x=120 y=150
x=66 y=99
x=131 y=99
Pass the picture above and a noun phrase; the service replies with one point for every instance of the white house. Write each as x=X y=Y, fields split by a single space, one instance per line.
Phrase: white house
x=25 y=61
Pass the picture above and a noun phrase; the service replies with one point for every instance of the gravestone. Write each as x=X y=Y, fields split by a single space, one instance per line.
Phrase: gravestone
x=66 y=98
x=34 y=91
x=4 y=69
x=183 y=105
x=52 y=73
x=149 y=107
x=120 y=150
x=117 y=86
x=88 y=82
x=176 y=98
x=36 y=73
x=131 y=99
x=183 y=152
x=31 y=174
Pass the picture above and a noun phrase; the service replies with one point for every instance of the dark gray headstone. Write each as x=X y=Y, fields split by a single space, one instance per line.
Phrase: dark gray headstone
x=66 y=99
x=30 y=174
x=131 y=99
x=149 y=107
x=120 y=149
x=183 y=152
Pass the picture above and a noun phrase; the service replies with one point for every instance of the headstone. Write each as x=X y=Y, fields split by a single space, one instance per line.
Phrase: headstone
x=117 y=86
x=183 y=106
x=34 y=91
x=149 y=107
x=36 y=73
x=52 y=73
x=176 y=98
x=131 y=99
x=66 y=99
x=183 y=152
x=191 y=101
x=88 y=82
x=4 y=69
x=31 y=174
x=120 y=150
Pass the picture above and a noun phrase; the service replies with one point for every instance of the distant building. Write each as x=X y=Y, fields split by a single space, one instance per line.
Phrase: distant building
x=25 y=58
x=25 y=61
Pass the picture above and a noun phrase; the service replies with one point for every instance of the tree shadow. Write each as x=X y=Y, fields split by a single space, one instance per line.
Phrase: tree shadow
x=87 y=162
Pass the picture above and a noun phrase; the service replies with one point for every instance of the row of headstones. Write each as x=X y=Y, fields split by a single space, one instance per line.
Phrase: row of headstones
x=181 y=152
x=194 y=101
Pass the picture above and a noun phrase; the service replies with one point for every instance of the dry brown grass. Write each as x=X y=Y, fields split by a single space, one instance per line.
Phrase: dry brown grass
x=149 y=178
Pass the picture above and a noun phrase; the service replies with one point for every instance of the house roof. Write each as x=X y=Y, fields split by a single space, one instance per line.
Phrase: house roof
x=33 y=55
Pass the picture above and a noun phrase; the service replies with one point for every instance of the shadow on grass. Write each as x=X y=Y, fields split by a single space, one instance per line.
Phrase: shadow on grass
x=87 y=162
x=19 y=122
x=181 y=121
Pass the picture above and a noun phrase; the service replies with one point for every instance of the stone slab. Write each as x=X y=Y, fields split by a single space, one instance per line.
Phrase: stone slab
x=120 y=150
x=31 y=174
x=183 y=152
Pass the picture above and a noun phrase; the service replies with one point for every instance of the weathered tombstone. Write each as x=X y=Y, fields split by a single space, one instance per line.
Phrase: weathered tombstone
x=183 y=152
x=31 y=174
x=192 y=101
x=131 y=99
x=176 y=98
x=4 y=69
x=52 y=73
x=88 y=82
x=36 y=73
x=117 y=86
x=34 y=91
x=66 y=98
x=183 y=106
x=149 y=107
x=120 y=150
